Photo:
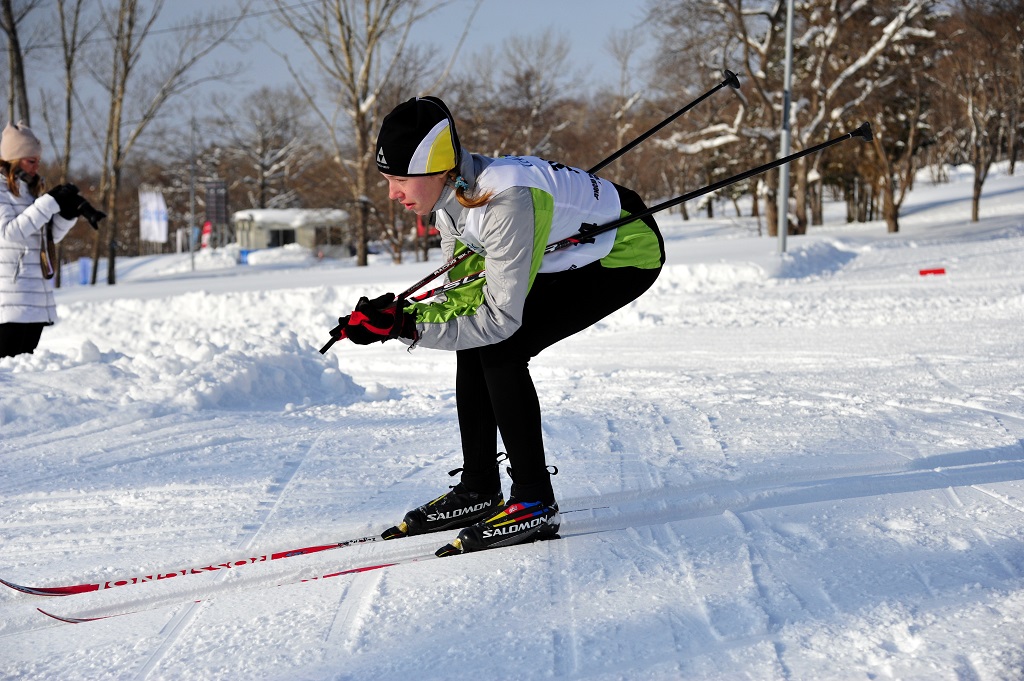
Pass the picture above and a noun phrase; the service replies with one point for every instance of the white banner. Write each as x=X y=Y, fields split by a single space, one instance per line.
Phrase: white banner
x=152 y=217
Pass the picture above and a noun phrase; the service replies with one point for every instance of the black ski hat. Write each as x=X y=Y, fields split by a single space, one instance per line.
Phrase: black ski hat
x=418 y=138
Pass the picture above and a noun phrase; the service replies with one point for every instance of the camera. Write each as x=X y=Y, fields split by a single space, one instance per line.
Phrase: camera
x=74 y=205
x=86 y=210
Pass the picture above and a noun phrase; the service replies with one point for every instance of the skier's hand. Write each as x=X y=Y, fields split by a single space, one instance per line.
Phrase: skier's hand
x=68 y=200
x=379 y=319
x=338 y=332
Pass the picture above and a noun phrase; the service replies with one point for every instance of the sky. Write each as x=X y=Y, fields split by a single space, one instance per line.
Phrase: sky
x=585 y=24
x=771 y=466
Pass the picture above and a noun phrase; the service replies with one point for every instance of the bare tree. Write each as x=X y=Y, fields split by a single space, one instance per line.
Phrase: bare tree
x=698 y=40
x=536 y=79
x=901 y=114
x=268 y=142
x=361 y=51
x=984 y=40
x=625 y=105
x=848 y=65
x=1015 y=141
x=12 y=17
x=623 y=46
x=135 y=102
x=898 y=123
x=473 y=95
x=74 y=34
x=837 y=46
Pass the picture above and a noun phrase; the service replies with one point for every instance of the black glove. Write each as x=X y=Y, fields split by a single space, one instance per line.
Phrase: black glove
x=379 y=319
x=68 y=199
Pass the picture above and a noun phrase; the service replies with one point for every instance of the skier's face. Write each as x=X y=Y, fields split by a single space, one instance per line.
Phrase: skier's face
x=30 y=166
x=418 y=194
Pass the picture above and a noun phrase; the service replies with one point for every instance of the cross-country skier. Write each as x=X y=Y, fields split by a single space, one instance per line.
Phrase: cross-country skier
x=506 y=210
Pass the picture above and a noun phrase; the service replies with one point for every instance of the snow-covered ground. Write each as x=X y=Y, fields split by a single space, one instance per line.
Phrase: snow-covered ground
x=799 y=466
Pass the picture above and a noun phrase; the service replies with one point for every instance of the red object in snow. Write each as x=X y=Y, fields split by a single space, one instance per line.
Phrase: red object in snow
x=425 y=227
x=937 y=270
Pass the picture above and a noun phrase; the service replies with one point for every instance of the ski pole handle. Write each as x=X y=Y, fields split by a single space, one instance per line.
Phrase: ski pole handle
x=334 y=339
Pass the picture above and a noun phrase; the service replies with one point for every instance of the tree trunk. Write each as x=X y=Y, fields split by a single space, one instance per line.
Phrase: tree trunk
x=982 y=161
x=976 y=199
x=771 y=206
x=1013 y=151
x=864 y=202
x=817 y=199
x=17 y=101
x=362 y=240
x=800 y=194
x=890 y=212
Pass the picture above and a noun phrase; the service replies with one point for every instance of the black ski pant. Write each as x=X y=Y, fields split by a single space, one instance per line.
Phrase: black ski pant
x=494 y=390
x=17 y=338
x=493 y=387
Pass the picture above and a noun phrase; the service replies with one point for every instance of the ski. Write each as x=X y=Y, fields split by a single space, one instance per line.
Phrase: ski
x=87 y=587
x=100 y=615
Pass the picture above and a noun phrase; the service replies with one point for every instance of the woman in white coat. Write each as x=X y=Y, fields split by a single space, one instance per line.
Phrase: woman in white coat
x=31 y=220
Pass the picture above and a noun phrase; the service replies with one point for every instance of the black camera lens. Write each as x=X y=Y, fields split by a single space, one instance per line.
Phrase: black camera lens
x=91 y=214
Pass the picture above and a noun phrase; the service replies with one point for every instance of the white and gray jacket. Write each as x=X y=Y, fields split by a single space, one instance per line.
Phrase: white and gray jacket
x=533 y=203
x=25 y=295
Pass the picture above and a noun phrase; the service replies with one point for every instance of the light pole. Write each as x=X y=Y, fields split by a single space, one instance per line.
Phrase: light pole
x=192 y=193
x=783 y=195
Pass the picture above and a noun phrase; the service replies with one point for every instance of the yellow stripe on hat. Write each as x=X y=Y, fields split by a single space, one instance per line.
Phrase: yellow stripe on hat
x=435 y=154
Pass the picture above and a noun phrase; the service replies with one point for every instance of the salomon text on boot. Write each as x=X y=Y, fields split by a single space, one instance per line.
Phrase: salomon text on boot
x=516 y=523
x=457 y=508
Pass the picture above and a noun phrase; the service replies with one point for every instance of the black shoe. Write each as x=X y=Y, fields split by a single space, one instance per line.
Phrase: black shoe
x=516 y=523
x=455 y=509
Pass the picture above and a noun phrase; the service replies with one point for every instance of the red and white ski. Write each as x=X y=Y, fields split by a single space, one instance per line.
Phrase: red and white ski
x=71 y=589
x=103 y=615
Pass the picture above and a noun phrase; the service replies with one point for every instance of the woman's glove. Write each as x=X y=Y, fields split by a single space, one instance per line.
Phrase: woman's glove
x=379 y=319
x=68 y=199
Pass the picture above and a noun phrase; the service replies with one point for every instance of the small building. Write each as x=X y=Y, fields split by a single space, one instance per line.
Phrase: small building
x=317 y=229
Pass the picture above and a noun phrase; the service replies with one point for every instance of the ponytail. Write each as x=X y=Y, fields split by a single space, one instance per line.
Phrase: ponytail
x=464 y=194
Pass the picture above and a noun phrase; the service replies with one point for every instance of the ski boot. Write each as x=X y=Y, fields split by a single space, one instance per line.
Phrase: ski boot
x=516 y=523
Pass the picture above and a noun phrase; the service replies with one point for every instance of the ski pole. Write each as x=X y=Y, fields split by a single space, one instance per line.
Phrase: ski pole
x=447 y=286
x=588 y=232
x=730 y=80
